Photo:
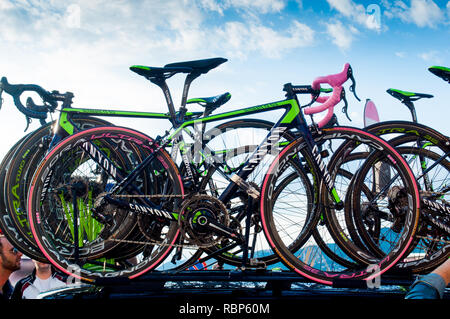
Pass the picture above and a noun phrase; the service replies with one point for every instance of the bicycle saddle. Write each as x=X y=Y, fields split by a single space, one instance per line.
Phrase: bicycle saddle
x=441 y=71
x=197 y=66
x=407 y=96
x=155 y=72
x=213 y=101
x=201 y=66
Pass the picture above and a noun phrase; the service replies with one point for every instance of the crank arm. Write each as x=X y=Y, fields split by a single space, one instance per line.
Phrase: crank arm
x=218 y=228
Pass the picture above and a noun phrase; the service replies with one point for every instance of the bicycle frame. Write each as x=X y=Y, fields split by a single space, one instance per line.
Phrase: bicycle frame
x=65 y=126
x=292 y=118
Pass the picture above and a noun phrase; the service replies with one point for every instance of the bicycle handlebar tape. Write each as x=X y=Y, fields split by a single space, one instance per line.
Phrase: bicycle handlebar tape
x=329 y=104
x=28 y=112
x=15 y=90
x=334 y=80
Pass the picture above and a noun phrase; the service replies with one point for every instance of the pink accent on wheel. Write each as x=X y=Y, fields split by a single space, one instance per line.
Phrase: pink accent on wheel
x=269 y=239
x=30 y=204
x=156 y=263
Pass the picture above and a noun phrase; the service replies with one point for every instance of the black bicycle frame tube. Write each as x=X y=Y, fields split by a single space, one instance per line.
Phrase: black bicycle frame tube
x=291 y=107
x=290 y=119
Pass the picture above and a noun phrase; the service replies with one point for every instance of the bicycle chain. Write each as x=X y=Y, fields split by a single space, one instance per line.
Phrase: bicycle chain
x=150 y=196
x=152 y=242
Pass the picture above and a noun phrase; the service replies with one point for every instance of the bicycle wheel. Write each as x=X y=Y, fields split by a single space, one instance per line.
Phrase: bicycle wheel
x=228 y=146
x=432 y=241
x=401 y=133
x=423 y=147
x=23 y=164
x=7 y=226
x=72 y=179
x=347 y=140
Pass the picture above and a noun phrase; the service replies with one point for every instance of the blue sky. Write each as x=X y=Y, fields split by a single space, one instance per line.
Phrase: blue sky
x=87 y=46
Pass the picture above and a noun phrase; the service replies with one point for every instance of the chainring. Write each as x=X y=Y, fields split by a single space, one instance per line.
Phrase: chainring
x=195 y=207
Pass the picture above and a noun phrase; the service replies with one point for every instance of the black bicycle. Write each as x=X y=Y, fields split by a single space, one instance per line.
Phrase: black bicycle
x=136 y=178
x=426 y=151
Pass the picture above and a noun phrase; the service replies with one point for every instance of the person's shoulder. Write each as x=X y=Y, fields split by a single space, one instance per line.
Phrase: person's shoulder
x=25 y=280
x=21 y=285
x=6 y=290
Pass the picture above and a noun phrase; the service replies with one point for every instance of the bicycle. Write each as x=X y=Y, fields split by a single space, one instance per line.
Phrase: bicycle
x=339 y=241
x=201 y=219
x=69 y=121
x=426 y=150
x=26 y=156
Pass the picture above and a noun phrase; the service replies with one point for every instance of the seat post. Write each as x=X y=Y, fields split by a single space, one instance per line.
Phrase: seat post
x=410 y=105
x=161 y=82
x=187 y=84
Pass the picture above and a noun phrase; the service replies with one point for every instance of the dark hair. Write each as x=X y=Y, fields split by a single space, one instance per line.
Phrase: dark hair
x=1 y=244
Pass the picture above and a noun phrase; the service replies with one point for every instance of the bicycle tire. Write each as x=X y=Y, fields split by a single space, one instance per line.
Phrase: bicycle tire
x=23 y=164
x=6 y=224
x=311 y=271
x=241 y=136
x=403 y=133
x=400 y=133
x=60 y=250
x=434 y=247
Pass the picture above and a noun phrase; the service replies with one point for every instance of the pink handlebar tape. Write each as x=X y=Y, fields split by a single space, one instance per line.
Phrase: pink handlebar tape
x=335 y=81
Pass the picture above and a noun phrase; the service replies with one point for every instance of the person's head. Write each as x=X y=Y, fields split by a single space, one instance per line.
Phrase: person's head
x=42 y=267
x=9 y=256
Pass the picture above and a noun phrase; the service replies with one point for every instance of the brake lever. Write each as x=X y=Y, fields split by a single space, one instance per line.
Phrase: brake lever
x=28 y=120
x=353 y=85
x=345 y=107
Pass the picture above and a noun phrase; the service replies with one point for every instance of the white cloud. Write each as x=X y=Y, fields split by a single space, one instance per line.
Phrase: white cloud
x=423 y=13
x=148 y=28
x=346 y=7
x=400 y=54
x=341 y=36
x=353 y=29
x=5 y=5
x=263 y=6
x=212 y=5
x=242 y=40
x=431 y=57
x=259 y=6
